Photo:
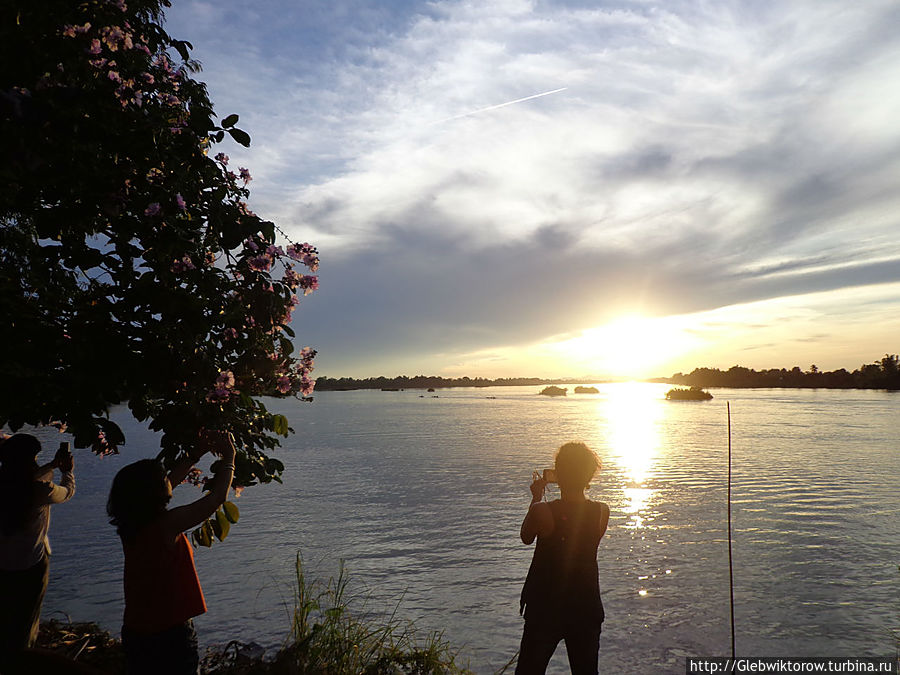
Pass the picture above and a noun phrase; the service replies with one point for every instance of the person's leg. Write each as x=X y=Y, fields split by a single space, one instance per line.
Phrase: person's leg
x=539 y=641
x=39 y=576
x=583 y=647
x=172 y=651
x=21 y=595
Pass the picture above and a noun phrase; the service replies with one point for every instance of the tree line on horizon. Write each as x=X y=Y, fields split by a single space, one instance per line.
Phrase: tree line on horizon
x=424 y=382
x=883 y=374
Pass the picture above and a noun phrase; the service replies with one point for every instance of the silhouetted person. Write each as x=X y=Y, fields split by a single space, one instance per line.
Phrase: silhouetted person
x=162 y=591
x=561 y=596
x=26 y=493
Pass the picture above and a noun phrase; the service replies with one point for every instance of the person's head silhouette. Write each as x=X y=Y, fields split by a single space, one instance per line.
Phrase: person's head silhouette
x=576 y=465
x=140 y=493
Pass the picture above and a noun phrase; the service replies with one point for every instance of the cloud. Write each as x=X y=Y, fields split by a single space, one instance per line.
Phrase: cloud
x=701 y=155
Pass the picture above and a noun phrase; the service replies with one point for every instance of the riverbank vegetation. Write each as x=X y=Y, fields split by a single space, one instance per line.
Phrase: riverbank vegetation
x=333 y=632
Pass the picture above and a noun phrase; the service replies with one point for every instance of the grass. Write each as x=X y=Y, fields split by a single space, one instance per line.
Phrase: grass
x=333 y=633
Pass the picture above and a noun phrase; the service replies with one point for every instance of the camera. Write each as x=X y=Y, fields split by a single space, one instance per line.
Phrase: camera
x=550 y=475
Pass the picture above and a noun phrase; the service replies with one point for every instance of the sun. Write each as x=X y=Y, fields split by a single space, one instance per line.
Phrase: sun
x=630 y=346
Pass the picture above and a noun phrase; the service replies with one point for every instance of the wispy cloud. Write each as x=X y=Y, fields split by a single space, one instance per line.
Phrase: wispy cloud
x=692 y=156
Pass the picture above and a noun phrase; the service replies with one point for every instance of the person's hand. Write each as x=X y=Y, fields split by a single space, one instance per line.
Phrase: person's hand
x=64 y=460
x=217 y=442
x=537 y=487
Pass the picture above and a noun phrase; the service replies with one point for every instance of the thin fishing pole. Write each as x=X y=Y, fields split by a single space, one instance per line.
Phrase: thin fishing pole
x=730 y=563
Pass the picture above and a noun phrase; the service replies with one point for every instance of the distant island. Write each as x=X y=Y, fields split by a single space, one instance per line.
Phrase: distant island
x=883 y=374
x=553 y=390
x=692 y=394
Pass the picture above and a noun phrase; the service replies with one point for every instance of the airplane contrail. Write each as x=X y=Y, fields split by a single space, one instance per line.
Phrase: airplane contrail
x=500 y=105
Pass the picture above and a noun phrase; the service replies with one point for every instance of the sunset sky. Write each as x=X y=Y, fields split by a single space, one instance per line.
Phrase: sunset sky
x=573 y=188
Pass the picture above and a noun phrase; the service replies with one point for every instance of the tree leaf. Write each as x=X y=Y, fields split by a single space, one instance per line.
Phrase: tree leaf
x=280 y=424
x=241 y=137
x=229 y=121
x=231 y=512
x=203 y=535
x=207 y=532
x=221 y=526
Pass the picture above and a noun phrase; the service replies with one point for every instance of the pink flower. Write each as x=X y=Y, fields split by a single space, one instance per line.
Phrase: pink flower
x=147 y=78
x=238 y=489
x=230 y=333
x=307 y=387
x=291 y=278
x=179 y=202
x=68 y=31
x=251 y=245
x=261 y=263
x=182 y=265
x=114 y=76
x=245 y=175
x=306 y=254
x=95 y=47
x=284 y=384
x=219 y=394
x=152 y=210
x=143 y=48
x=222 y=158
x=309 y=284
x=209 y=257
x=274 y=251
x=225 y=380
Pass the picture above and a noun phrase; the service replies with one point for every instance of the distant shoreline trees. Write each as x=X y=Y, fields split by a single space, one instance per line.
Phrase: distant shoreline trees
x=883 y=374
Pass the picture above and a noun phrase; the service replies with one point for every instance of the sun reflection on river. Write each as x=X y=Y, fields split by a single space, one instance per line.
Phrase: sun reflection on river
x=631 y=417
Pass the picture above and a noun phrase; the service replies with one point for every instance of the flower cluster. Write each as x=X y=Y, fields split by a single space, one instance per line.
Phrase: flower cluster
x=102 y=447
x=182 y=265
x=297 y=380
x=104 y=42
x=305 y=254
x=223 y=389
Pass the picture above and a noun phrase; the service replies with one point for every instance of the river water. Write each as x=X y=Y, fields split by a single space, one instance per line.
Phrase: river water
x=422 y=495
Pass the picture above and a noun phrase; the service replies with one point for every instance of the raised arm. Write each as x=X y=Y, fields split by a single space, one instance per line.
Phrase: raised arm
x=66 y=488
x=539 y=519
x=185 y=517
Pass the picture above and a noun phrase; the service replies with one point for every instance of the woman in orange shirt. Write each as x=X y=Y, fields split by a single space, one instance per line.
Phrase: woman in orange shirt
x=162 y=591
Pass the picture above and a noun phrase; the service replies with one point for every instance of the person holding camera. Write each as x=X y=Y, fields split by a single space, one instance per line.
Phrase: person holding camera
x=561 y=595
x=26 y=494
x=162 y=590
